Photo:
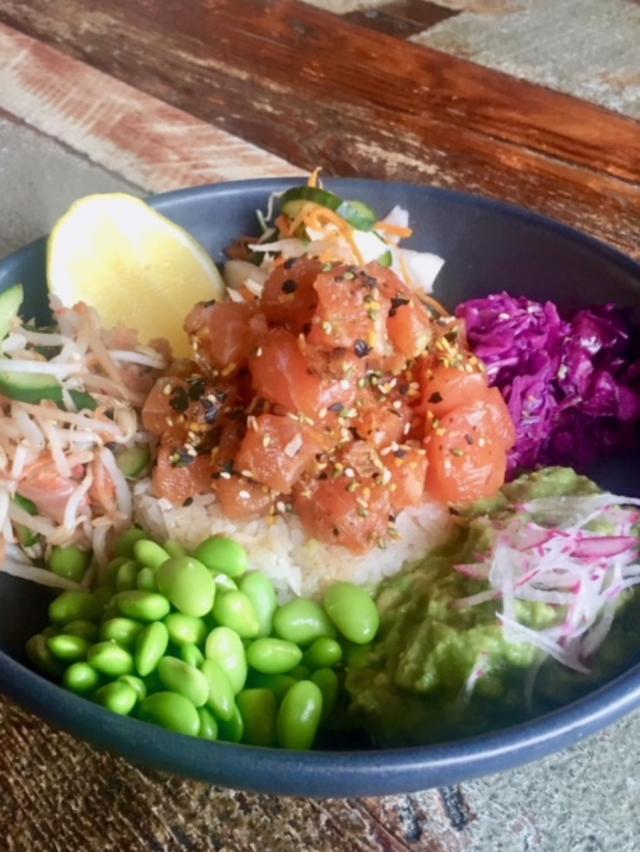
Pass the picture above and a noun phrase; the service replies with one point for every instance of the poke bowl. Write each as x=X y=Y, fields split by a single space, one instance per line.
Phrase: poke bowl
x=480 y=621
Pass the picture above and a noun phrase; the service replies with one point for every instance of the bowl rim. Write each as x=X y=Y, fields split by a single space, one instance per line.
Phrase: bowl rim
x=331 y=773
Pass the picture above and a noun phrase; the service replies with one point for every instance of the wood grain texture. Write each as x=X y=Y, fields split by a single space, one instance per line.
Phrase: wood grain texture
x=317 y=90
x=58 y=795
x=153 y=145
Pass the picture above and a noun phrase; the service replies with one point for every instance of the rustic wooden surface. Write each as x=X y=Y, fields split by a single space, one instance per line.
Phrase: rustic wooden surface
x=167 y=94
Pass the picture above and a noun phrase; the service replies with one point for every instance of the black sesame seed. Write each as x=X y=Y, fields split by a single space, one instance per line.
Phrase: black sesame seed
x=336 y=408
x=291 y=261
x=435 y=397
x=400 y=453
x=469 y=439
x=403 y=388
x=397 y=303
x=361 y=348
x=179 y=400
x=306 y=328
x=289 y=286
x=196 y=389
x=188 y=501
x=211 y=410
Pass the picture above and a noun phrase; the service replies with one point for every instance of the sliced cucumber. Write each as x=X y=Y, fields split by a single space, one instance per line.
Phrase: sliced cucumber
x=134 y=461
x=385 y=259
x=30 y=387
x=300 y=194
x=83 y=400
x=358 y=214
x=10 y=301
x=27 y=537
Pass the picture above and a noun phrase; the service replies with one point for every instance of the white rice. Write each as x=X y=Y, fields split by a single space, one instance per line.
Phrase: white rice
x=296 y=564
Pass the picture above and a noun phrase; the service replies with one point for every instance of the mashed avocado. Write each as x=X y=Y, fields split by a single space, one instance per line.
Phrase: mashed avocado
x=436 y=671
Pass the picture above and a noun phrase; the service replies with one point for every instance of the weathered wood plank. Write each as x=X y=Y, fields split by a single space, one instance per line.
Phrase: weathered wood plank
x=152 y=144
x=318 y=90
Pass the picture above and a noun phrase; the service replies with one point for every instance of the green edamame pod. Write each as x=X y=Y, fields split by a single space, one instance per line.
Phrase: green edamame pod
x=110 y=659
x=124 y=631
x=81 y=678
x=149 y=553
x=225 y=648
x=324 y=652
x=177 y=676
x=143 y=606
x=187 y=584
x=151 y=646
x=68 y=648
x=327 y=681
x=302 y=621
x=172 y=711
x=224 y=555
x=300 y=672
x=107 y=575
x=192 y=655
x=70 y=562
x=125 y=542
x=259 y=709
x=208 y=725
x=220 y=696
x=231 y=730
x=85 y=629
x=119 y=697
x=39 y=654
x=235 y=611
x=278 y=684
x=71 y=606
x=273 y=656
x=136 y=683
x=259 y=589
x=126 y=576
x=185 y=629
x=146 y=580
x=299 y=716
x=353 y=612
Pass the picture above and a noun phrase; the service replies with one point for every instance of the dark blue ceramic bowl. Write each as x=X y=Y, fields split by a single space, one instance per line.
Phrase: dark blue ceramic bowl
x=488 y=246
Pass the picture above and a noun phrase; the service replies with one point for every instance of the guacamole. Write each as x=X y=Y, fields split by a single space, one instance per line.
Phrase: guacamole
x=436 y=670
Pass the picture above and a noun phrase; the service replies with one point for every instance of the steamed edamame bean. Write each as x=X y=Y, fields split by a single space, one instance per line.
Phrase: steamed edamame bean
x=70 y=562
x=124 y=631
x=353 y=612
x=149 y=553
x=71 y=606
x=68 y=648
x=323 y=652
x=117 y=696
x=235 y=611
x=300 y=672
x=220 y=698
x=125 y=542
x=299 y=716
x=174 y=548
x=137 y=683
x=107 y=575
x=42 y=658
x=273 y=656
x=85 y=629
x=259 y=710
x=192 y=655
x=208 y=725
x=151 y=646
x=110 y=659
x=224 y=582
x=143 y=606
x=187 y=584
x=278 y=684
x=172 y=711
x=146 y=580
x=126 y=576
x=81 y=678
x=177 y=676
x=327 y=681
x=302 y=621
x=223 y=554
x=185 y=629
x=225 y=648
x=231 y=730
x=259 y=589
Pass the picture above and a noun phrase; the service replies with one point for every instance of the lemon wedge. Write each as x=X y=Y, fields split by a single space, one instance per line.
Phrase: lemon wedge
x=133 y=265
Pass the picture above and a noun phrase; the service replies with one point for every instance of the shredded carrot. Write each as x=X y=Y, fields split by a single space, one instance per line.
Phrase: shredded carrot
x=343 y=227
x=396 y=230
x=248 y=295
x=283 y=224
x=313 y=180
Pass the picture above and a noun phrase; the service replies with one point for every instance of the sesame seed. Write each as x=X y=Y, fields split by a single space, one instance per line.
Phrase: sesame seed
x=247 y=473
x=344 y=384
x=349 y=472
x=225 y=475
x=327 y=327
x=244 y=495
x=280 y=506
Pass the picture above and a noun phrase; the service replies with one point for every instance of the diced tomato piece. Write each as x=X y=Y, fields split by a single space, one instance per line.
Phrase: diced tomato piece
x=176 y=478
x=223 y=334
x=241 y=499
x=282 y=375
x=446 y=388
x=333 y=514
x=408 y=468
x=467 y=455
x=289 y=298
x=276 y=450
x=351 y=312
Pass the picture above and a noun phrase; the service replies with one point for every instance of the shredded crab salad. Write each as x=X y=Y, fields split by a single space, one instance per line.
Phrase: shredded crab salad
x=70 y=435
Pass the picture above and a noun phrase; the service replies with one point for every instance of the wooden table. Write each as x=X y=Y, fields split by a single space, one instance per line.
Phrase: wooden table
x=165 y=93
